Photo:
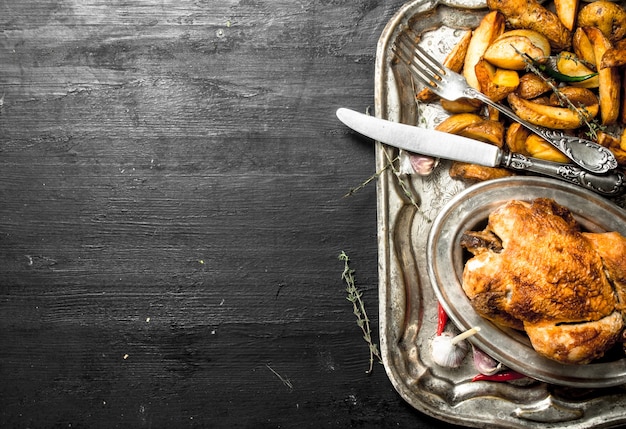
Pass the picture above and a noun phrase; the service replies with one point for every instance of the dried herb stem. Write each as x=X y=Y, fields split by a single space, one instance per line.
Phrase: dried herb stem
x=373 y=177
x=583 y=113
x=404 y=186
x=406 y=190
x=285 y=381
x=358 y=308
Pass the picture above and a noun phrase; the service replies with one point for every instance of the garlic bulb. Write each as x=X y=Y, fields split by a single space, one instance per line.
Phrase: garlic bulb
x=449 y=351
x=446 y=354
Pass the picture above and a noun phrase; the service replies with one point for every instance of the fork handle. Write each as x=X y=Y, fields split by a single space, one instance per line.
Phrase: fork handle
x=587 y=154
x=612 y=184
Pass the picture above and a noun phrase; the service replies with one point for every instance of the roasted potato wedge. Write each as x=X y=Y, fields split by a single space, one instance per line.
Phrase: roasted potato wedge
x=454 y=61
x=487 y=131
x=543 y=100
x=508 y=78
x=515 y=138
x=462 y=105
x=506 y=51
x=475 y=127
x=583 y=47
x=477 y=173
x=609 y=80
x=614 y=56
x=530 y=14
x=494 y=82
x=531 y=86
x=607 y=16
x=539 y=148
x=562 y=118
x=567 y=10
x=620 y=155
x=456 y=58
x=623 y=103
x=579 y=97
x=490 y=27
x=607 y=140
x=569 y=64
x=616 y=145
x=456 y=123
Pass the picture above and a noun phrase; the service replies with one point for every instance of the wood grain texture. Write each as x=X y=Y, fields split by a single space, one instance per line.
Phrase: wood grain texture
x=171 y=211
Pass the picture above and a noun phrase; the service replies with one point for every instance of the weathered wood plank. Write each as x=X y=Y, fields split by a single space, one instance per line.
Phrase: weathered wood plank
x=171 y=211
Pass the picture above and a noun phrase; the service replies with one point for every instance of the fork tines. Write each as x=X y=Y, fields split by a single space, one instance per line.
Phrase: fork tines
x=422 y=65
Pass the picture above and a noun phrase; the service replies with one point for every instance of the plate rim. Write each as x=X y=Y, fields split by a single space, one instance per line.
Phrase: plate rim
x=441 y=243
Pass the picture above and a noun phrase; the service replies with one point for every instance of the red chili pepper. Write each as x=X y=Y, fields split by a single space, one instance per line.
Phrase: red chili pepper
x=442 y=319
x=500 y=376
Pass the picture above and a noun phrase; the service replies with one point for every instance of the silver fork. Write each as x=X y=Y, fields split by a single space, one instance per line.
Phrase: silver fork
x=450 y=85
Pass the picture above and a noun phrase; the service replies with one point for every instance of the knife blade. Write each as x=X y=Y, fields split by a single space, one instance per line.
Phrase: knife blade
x=458 y=148
x=422 y=140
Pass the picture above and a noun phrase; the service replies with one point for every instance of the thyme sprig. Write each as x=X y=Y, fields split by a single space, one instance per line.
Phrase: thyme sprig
x=373 y=177
x=406 y=190
x=592 y=125
x=391 y=164
x=400 y=179
x=358 y=308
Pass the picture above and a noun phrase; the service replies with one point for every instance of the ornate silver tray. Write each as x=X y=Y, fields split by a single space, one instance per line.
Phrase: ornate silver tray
x=407 y=207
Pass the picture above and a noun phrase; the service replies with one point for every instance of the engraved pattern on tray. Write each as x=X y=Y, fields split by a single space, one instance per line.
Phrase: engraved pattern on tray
x=408 y=307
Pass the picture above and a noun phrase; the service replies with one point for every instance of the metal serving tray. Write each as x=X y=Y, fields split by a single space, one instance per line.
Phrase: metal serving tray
x=408 y=306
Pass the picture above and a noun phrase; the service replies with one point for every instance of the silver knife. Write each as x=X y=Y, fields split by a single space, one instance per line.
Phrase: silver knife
x=450 y=146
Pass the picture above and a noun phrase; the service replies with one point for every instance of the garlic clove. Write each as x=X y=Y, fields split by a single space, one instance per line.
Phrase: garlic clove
x=412 y=163
x=484 y=363
x=423 y=165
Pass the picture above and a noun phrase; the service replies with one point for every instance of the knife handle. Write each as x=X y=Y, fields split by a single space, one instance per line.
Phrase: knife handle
x=611 y=184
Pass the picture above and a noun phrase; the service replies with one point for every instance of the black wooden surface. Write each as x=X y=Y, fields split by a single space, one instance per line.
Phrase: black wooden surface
x=171 y=214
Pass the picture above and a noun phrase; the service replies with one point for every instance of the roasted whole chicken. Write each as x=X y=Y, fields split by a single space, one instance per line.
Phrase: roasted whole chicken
x=534 y=269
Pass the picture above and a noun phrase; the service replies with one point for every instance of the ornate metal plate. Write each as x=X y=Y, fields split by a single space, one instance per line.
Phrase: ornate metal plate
x=407 y=207
x=469 y=210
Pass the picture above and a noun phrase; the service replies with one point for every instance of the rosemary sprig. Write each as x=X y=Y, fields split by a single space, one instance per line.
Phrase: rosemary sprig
x=358 y=308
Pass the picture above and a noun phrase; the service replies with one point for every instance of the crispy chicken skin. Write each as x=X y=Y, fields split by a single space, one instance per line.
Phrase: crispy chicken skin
x=549 y=279
x=611 y=246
